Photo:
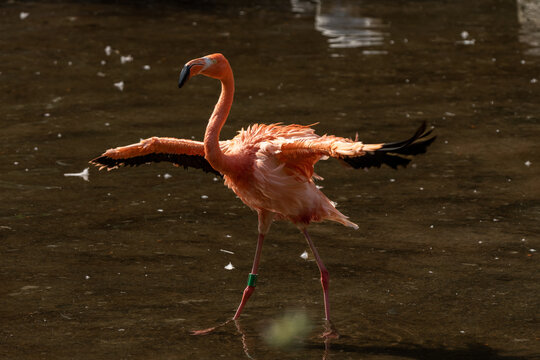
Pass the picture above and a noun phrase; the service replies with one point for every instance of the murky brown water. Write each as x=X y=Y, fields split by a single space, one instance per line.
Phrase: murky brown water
x=126 y=264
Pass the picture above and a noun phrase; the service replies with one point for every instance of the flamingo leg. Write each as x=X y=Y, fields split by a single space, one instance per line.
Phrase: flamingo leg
x=325 y=282
x=250 y=288
x=265 y=220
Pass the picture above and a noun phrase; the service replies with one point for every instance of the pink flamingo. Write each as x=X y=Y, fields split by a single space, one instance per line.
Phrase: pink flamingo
x=269 y=167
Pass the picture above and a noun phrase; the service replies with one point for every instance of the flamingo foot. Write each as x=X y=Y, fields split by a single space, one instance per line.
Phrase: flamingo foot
x=330 y=331
x=209 y=330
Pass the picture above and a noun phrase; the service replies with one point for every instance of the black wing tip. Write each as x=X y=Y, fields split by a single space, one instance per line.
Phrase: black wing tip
x=377 y=160
x=186 y=161
x=105 y=162
x=420 y=133
x=420 y=146
x=395 y=154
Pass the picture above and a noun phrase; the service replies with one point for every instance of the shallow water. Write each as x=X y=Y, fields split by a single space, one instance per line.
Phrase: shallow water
x=126 y=264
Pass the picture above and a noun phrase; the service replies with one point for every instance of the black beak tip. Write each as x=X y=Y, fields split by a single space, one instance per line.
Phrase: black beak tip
x=184 y=76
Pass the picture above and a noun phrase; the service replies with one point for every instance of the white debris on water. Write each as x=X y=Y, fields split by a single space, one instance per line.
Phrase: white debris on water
x=229 y=266
x=23 y=15
x=304 y=255
x=108 y=50
x=465 y=39
x=126 y=59
x=119 y=85
x=374 y=52
x=204 y=197
x=167 y=176
x=226 y=251
x=146 y=67
x=83 y=174
x=528 y=163
x=534 y=80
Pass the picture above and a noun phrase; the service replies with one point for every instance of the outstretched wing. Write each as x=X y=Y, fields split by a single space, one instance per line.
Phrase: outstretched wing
x=186 y=153
x=358 y=154
x=394 y=154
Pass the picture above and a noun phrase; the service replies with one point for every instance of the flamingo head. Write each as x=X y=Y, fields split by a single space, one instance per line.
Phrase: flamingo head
x=215 y=66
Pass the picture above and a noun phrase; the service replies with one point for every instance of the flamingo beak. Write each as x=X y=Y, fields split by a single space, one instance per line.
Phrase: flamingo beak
x=184 y=75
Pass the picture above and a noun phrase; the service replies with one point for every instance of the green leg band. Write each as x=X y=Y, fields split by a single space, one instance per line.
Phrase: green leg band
x=252 y=280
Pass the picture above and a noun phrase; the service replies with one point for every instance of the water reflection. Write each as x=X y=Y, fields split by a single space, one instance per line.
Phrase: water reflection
x=528 y=13
x=327 y=348
x=344 y=25
x=249 y=347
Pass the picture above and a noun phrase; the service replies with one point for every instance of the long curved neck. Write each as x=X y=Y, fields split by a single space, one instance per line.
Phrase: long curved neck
x=212 y=150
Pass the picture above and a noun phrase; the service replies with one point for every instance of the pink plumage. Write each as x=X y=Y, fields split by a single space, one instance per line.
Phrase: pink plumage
x=277 y=181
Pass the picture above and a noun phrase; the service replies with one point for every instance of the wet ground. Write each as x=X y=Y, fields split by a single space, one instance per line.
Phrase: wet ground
x=126 y=264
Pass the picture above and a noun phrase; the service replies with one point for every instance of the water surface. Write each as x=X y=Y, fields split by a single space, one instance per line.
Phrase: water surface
x=124 y=265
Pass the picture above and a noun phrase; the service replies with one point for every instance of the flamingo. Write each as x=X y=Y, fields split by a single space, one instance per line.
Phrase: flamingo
x=269 y=167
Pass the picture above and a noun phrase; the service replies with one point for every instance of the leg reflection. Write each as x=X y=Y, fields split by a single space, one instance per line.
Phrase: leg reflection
x=326 y=353
x=244 y=338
